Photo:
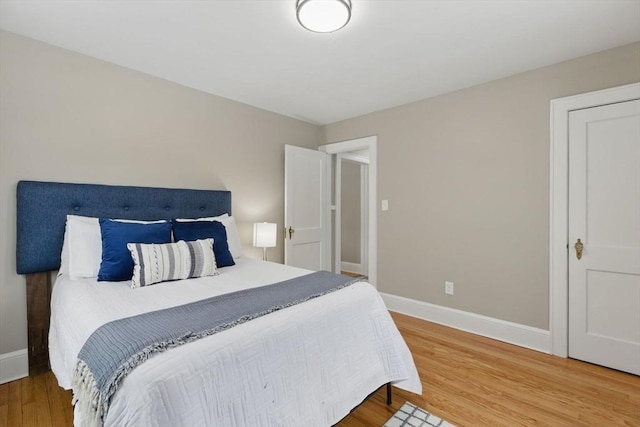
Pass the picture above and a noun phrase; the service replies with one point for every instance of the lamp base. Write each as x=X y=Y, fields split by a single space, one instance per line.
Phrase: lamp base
x=264 y=254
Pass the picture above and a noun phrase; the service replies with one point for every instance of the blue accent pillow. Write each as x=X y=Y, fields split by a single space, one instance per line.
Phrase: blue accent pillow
x=117 y=264
x=200 y=230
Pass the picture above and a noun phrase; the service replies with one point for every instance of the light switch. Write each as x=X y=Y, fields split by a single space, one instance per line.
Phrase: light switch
x=385 y=205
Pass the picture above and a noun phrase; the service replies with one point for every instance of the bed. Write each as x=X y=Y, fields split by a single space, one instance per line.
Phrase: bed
x=307 y=363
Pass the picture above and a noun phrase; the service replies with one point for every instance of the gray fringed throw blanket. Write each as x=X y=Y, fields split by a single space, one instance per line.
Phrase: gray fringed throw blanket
x=116 y=348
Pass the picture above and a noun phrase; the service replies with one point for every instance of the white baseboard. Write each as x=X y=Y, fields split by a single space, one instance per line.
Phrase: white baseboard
x=501 y=330
x=14 y=365
x=351 y=267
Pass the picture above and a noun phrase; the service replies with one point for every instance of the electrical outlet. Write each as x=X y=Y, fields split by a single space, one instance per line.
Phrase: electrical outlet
x=448 y=288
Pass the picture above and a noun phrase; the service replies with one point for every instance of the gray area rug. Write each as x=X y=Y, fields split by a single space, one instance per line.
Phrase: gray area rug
x=409 y=415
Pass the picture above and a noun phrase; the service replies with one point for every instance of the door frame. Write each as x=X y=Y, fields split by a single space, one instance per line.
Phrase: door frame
x=370 y=143
x=559 y=206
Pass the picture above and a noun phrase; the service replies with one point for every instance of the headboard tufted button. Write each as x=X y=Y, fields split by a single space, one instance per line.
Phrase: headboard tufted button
x=76 y=208
x=167 y=208
x=126 y=208
x=201 y=208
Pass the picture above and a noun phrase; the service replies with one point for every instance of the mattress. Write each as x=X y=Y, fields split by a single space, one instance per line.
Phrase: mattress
x=309 y=364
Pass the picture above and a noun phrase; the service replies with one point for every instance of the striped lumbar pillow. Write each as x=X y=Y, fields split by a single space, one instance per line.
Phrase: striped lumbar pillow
x=155 y=263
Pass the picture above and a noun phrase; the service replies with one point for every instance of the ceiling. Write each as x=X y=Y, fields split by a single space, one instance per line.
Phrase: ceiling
x=391 y=53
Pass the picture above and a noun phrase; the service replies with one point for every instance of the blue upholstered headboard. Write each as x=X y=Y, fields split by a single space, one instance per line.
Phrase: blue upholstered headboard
x=43 y=207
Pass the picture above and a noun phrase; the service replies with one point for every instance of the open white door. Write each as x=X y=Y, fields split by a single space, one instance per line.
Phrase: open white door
x=306 y=209
x=604 y=213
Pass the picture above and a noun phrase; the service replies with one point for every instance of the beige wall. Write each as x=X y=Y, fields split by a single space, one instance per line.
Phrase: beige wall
x=67 y=117
x=467 y=178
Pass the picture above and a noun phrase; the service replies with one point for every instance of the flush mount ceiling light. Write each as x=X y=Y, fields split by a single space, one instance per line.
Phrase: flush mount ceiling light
x=323 y=16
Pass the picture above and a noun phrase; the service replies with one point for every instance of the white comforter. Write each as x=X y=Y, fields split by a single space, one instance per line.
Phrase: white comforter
x=307 y=365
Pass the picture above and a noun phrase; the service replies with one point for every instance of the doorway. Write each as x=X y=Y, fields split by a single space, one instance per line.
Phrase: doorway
x=351 y=215
x=363 y=153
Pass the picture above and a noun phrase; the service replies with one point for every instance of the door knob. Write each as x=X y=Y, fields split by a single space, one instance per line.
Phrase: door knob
x=579 y=246
x=290 y=231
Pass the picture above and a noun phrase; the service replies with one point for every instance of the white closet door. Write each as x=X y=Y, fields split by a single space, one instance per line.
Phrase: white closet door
x=604 y=213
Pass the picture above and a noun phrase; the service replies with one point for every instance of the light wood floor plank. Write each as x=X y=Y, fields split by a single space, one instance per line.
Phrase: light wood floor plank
x=57 y=405
x=14 y=416
x=467 y=379
x=42 y=399
x=4 y=394
x=4 y=416
x=27 y=391
x=29 y=415
x=4 y=405
x=29 y=408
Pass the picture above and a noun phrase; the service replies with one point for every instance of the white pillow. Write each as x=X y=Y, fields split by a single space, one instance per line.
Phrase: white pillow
x=64 y=256
x=82 y=246
x=233 y=239
x=85 y=246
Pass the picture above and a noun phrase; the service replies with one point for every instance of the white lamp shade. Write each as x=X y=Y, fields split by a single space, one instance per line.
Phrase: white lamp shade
x=264 y=234
x=323 y=16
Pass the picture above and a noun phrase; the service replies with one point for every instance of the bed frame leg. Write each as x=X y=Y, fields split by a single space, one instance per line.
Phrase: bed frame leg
x=38 y=310
x=388 y=393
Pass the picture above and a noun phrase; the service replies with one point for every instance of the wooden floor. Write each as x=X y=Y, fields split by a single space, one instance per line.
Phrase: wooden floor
x=475 y=381
x=350 y=274
x=37 y=402
x=467 y=379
